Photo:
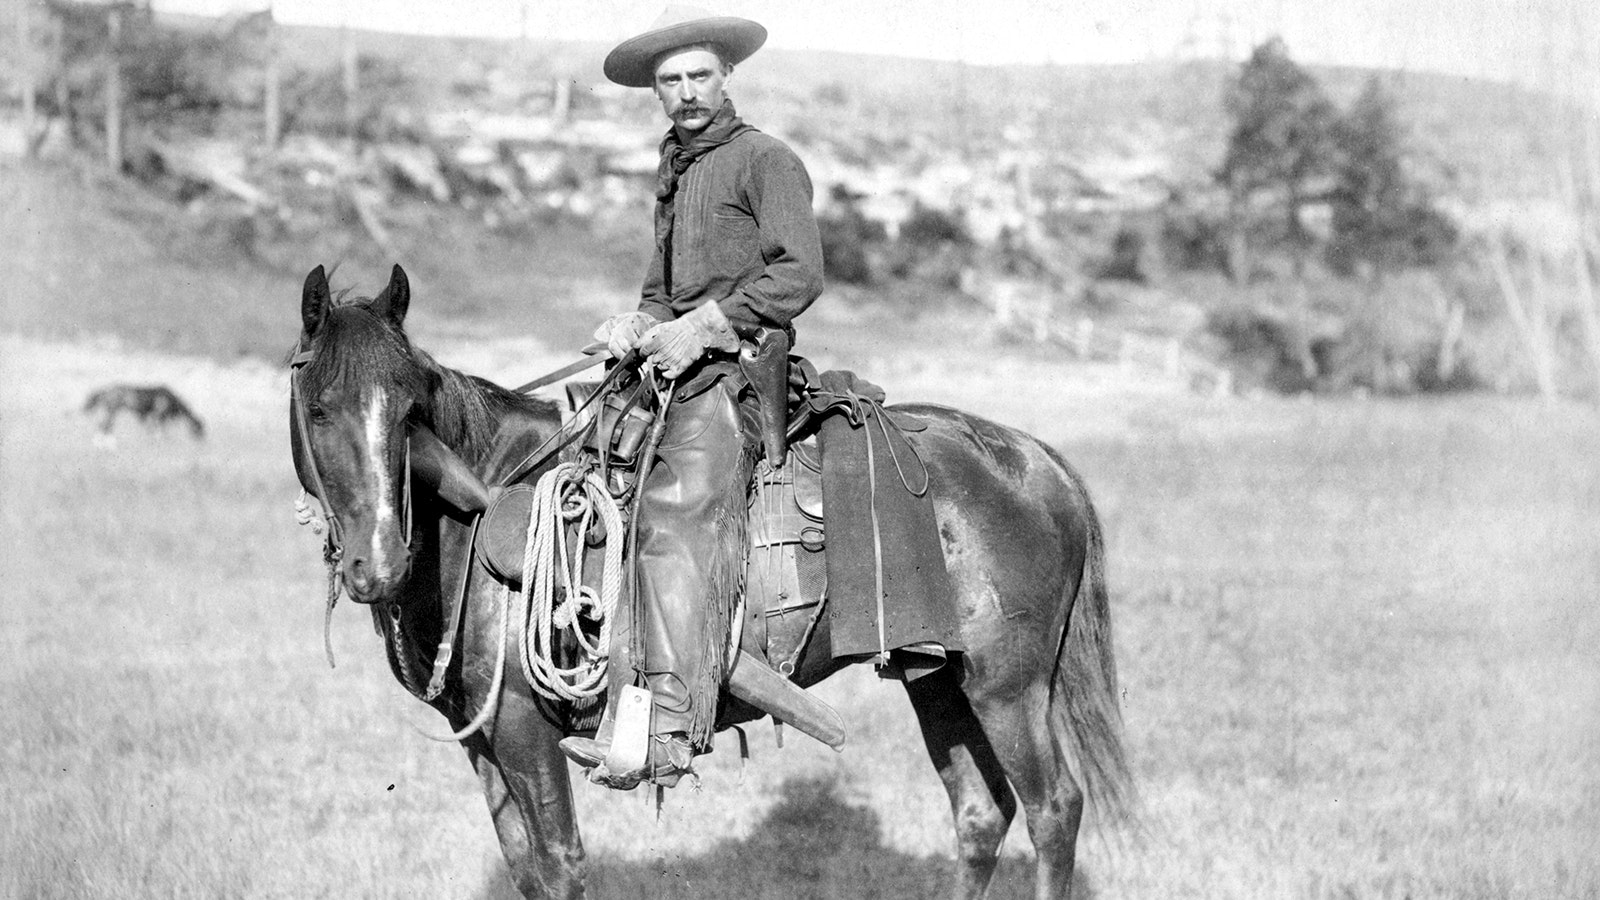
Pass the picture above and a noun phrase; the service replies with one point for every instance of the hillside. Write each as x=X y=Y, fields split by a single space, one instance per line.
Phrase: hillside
x=1493 y=136
x=513 y=183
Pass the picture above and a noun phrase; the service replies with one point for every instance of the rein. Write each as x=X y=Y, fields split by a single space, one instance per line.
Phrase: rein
x=569 y=432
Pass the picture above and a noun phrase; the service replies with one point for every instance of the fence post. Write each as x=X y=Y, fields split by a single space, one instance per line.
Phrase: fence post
x=1527 y=313
x=272 y=89
x=351 y=81
x=114 y=89
x=25 y=72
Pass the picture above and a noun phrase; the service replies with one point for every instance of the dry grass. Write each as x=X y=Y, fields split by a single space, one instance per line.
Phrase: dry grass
x=1356 y=639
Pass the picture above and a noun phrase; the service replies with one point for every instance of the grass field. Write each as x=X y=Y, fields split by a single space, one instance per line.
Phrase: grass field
x=1357 y=641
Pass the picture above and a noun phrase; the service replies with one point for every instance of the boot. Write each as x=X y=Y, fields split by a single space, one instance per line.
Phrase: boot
x=670 y=757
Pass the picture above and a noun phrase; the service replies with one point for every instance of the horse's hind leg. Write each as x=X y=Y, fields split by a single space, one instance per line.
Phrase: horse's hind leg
x=982 y=804
x=1037 y=768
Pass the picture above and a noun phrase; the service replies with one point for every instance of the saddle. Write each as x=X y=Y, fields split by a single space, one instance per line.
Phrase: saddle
x=844 y=561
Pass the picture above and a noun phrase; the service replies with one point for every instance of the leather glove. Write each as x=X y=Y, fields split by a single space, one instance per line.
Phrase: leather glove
x=673 y=346
x=621 y=332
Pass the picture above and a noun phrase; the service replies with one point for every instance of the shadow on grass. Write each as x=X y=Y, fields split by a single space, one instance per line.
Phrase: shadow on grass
x=811 y=846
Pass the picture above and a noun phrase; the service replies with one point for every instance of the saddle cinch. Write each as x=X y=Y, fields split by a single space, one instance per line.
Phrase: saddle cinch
x=893 y=607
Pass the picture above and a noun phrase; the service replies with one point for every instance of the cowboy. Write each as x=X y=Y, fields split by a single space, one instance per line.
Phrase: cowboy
x=737 y=255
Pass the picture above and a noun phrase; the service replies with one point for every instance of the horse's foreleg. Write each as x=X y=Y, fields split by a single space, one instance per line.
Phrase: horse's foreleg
x=1037 y=769
x=538 y=833
x=981 y=802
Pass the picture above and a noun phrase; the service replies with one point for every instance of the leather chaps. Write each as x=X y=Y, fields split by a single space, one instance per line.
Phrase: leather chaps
x=691 y=553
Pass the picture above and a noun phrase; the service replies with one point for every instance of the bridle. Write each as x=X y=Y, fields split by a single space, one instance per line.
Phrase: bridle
x=302 y=420
x=333 y=546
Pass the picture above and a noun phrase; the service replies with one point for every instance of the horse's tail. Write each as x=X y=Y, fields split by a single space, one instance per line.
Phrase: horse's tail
x=1084 y=710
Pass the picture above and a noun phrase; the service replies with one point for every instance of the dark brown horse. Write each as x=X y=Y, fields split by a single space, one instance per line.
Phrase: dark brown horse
x=1028 y=715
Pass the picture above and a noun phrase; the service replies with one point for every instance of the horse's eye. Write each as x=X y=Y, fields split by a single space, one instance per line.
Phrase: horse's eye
x=316 y=413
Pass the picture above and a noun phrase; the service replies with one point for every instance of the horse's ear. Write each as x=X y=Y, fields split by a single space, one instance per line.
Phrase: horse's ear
x=392 y=301
x=314 y=301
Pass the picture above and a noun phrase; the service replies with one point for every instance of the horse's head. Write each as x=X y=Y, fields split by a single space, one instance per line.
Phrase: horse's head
x=357 y=382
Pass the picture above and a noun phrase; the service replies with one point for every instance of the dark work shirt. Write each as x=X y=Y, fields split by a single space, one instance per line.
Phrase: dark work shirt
x=744 y=236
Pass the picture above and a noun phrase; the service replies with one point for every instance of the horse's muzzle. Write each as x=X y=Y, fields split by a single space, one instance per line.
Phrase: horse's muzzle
x=368 y=582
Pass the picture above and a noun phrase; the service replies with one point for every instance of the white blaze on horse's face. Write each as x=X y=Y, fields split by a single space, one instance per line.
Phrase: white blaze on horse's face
x=386 y=523
x=365 y=465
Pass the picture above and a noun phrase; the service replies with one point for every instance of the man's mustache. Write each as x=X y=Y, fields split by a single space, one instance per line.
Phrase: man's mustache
x=687 y=112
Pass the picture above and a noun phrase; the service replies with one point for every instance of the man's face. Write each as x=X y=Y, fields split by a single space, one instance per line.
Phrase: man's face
x=689 y=84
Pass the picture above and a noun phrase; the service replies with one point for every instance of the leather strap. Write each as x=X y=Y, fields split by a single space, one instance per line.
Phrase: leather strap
x=595 y=358
x=458 y=605
x=566 y=434
x=302 y=423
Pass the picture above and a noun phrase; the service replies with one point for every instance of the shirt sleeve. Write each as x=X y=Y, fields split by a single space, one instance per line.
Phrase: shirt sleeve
x=653 y=296
x=780 y=198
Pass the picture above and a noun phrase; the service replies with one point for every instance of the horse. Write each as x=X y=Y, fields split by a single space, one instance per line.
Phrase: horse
x=156 y=405
x=1028 y=713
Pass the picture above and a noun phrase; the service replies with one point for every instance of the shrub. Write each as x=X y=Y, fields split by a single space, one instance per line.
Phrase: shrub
x=1127 y=257
x=1267 y=350
x=927 y=228
x=1193 y=237
x=844 y=248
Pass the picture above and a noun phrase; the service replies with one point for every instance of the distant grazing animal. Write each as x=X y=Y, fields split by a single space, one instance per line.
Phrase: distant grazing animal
x=1027 y=716
x=155 y=406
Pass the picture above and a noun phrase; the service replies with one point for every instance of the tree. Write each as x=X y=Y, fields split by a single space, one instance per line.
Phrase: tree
x=1383 y=218
x=1280 y=150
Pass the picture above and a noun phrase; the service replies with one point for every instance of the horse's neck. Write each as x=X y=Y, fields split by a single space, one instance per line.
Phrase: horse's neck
x=518 y=433
x=429 y=603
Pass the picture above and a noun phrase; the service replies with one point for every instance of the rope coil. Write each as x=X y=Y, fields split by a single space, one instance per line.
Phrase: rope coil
x=566 y=495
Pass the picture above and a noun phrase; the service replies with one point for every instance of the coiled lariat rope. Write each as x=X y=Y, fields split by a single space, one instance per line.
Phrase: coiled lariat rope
x=568 y=494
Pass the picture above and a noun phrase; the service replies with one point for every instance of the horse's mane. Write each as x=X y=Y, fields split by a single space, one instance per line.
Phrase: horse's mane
x=356 y=346
x=465 y=410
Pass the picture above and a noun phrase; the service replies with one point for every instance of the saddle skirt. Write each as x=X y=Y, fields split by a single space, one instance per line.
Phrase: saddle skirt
x=857 y=575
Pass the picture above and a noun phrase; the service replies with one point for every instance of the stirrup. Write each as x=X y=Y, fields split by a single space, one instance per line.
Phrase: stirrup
x=586 y=752
x=670 y=758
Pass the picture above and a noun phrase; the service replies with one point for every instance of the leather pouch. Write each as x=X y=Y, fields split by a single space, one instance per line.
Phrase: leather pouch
x=622 y=427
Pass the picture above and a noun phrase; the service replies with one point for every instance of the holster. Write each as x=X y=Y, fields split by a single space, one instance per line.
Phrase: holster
x=764 y=362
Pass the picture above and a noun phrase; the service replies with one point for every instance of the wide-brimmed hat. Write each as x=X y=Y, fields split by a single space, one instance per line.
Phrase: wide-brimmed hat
x=633 y=62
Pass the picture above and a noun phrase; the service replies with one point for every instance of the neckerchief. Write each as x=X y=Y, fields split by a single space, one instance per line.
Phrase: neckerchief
x=676 y=158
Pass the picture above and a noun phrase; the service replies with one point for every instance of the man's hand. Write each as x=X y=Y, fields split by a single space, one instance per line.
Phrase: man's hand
x=674 y=346
x=621 y=332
